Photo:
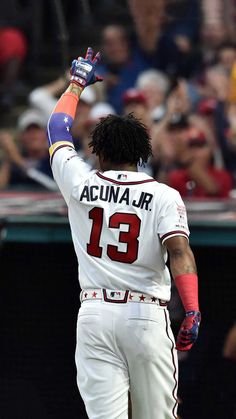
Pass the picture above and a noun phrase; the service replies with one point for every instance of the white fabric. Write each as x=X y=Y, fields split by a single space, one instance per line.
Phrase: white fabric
x=121 y=347
x=164 y=215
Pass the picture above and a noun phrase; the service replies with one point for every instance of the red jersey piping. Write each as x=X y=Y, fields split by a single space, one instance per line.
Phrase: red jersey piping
x=175 y=232
x=117 y=182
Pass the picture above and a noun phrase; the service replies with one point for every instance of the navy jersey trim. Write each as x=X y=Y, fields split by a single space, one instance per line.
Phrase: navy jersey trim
x=174 y=233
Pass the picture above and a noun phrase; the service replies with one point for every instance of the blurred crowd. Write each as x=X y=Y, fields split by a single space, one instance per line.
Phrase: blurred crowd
x=174 y=68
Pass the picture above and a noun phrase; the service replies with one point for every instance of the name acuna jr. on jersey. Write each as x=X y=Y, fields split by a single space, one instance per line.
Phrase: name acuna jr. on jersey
x=115 y=194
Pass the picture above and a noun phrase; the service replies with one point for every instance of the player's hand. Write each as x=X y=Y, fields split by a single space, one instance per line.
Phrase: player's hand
x=188 y=331
x=83 y=69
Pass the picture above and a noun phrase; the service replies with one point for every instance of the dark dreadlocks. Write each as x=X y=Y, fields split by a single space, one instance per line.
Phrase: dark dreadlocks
x=121 y=139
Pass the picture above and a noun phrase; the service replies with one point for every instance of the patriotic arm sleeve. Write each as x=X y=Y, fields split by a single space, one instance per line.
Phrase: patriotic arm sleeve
x=60 y=123
x=67 y=167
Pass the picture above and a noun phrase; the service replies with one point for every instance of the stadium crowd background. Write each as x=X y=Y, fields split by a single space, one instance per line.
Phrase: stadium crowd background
x=173 y=64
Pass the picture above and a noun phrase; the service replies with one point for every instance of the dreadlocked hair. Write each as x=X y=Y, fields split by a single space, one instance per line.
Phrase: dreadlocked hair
x=121 y=139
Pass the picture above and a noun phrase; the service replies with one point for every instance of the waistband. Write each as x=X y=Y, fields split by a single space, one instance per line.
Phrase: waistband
x=119 y=296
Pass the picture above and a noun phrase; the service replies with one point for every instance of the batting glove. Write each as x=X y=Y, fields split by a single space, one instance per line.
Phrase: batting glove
x=188 y=331
x=83 y=69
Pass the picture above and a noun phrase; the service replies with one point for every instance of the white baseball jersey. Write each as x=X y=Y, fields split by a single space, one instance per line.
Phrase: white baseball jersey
x=119 y=223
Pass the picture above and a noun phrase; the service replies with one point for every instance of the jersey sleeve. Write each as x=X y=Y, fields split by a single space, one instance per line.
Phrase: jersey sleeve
x=68 y=170
x=172 y=217
x=67 y=167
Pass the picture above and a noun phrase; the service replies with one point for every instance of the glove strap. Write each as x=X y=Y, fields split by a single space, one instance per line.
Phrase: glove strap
x=193 y=313
x=78 y=80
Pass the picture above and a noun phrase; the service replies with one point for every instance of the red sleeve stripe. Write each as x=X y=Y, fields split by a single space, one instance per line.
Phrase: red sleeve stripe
x=173 y=234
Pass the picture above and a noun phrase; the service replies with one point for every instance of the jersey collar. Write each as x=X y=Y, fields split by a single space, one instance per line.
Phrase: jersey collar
x=124 y=177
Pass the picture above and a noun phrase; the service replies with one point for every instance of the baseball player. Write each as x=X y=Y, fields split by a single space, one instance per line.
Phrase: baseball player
x=123 y=223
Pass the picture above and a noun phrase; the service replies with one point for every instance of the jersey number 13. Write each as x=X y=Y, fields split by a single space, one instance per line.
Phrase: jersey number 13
x=129 y=237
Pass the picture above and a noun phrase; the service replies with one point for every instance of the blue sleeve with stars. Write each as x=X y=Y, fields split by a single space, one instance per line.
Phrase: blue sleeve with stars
x=59 y=126
x=60 y=123
x=67 y=167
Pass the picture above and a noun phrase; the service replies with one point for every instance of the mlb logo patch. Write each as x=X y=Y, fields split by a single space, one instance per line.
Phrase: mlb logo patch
x=115 y=296
x=122 y=177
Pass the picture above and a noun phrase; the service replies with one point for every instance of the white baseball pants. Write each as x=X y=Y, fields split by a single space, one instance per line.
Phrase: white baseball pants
x=123 y=347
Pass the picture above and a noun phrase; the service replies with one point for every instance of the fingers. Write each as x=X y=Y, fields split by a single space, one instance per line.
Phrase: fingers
x=97 y=58
x=184 y=343
x=89 y=54
x=182 y=348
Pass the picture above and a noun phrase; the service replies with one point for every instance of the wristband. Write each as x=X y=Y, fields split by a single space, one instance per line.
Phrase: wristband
x=78 y=80
x=187 y=286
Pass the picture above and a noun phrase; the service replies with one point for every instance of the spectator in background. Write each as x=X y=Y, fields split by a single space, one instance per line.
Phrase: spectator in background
x=213 y=29
x=221 y=84
x=198 y=177
x=14 y=20
x=154 y=86
x=169 y=31
x=226 y=56
x=28 y=166
x=172 y=126
x=218 y=18
x=13 y=48
x=206 y=111
x=148 y=17
x=135 y=102
x=122 y=63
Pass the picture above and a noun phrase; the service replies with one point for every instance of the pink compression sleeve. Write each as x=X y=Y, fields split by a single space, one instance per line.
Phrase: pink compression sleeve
x=187 y=285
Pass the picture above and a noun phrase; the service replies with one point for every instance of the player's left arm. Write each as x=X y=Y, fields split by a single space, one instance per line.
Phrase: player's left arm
x=174 y=232
x=184 y=271
x=67 y=166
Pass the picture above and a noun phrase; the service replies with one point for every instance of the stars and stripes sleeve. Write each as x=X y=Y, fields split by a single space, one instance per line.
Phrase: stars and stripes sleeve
x=67 y=167
x=172 y=217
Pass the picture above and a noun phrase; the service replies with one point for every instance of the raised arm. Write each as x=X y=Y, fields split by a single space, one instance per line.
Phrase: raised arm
x=68 y=170
x=184 y=272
